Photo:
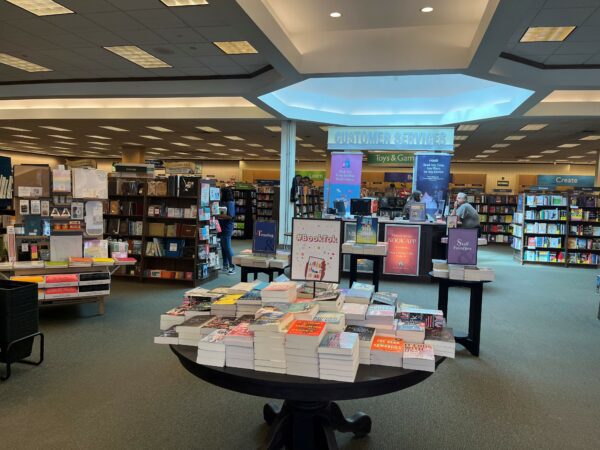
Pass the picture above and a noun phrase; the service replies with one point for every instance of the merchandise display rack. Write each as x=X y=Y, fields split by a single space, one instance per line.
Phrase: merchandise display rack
x=558 y=228
x=267 y=201
x=245 y=211
x=309 y=202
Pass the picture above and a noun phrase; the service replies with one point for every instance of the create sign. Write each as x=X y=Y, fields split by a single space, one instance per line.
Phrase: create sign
x=316 y=250
x=566 y=180
x=462 y=246
x=390 y=159
x=403 y=249
x=391 y=138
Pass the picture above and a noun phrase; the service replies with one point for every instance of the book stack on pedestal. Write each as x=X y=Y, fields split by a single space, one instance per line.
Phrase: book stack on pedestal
x=335 y=322
x=456 y=271
x=301 y=342
x=431 y=318
x=192 y=330
x=211 y=349
x=168 y=336
x=172 y=317
x=283 y=291
x=440 y=268
x=239 y=347
x=198 y=309
x=419 y=357
x=381 y=317
x=442 y=341
x=410 y=332
x=200 y=295
x=226 y=306
x=269 y=341
x=359 y=293
x=365 y=340
x=385 y=298
x=387 y=351
x=473 y=273
x=331 y=300
x=354 y=312
x=339 y=356
x=302 y=310
x=249 y=303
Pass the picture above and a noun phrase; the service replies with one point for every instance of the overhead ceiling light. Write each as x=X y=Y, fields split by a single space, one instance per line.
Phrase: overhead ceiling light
x=131 y=143
x=534 y=127
x=254 y=145
x=94 y=136
x=456 y=145
x=270 y=150
x=274 y=128
x=216 y=144
x=111 y=128
x=221 y=154
x=16 y=129
x=514 y=138
x=174 y=3
x=99 y=143
x=335 y=14
x=298 y=138
x=590 y=138
x=21 y=64
x=60 y=136
x=99 y=148
x=192 y=138
x=318 y=150
x=547 y=34
x=59 y=148
x=467 y=127
x=252 y=154
x=325 y=128
x=66 y=143
x=161 y=129
x=182 y=153
x=460 y=137
x=41 y=7
x=236 y=47
x=23 y=136
x=575 y=157
x=152 y=153
x=306 y=145
x=500 y=145
x=138 y=56
x=490 y=151
x=568 y=145
x=481 y=156
x=148 y=136
x=593 y=152
x=160 y=149
x=426 y=9
x=53 y=128
x=203 y=150
x=180 y=144
x=234 y=138
x=550 y=151
x=209 y=129
x=534 y=156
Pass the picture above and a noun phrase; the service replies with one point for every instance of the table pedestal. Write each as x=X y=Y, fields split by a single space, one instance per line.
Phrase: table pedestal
x=311 y=425
x=270 y=271
x=376 y=268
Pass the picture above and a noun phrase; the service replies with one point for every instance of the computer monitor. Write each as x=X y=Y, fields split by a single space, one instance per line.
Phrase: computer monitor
x=360 y=206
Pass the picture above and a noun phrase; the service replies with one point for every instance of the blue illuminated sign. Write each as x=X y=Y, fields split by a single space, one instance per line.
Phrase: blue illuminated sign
x=566 y=180
x=391 y=138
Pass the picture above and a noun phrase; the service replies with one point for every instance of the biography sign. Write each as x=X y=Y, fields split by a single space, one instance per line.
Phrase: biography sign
x=316 y=250
x=403 y=250
x=462 y=246
x=265 y=237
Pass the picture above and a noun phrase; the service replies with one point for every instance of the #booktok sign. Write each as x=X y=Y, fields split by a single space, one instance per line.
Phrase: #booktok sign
x=403 y=250
x=462 y=246
x=316 y=250
x=265 y=237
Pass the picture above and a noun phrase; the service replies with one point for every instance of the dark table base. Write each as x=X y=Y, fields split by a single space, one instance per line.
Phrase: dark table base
x=256 y=270
x=311 y=425
x=376 y=268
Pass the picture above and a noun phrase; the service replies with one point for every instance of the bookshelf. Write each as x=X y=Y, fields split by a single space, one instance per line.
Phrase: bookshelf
x=583 y=239
x=267 y=201
x=245 y=211
x=309 y=202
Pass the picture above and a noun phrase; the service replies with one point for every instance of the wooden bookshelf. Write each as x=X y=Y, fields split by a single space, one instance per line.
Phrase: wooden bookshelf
x=245 y=212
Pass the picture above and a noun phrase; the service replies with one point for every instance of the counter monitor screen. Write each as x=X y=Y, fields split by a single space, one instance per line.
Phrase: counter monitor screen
x=360 y=206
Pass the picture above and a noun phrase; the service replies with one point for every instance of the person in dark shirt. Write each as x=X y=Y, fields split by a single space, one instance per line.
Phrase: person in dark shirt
x=226 y=223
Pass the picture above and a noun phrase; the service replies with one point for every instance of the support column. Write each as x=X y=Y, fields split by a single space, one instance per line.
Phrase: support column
x=287 y=173
x=132 y=154
x=597 y=177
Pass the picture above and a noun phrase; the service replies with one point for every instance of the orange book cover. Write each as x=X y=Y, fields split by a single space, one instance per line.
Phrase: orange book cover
x=306 y=328
x=388 y=344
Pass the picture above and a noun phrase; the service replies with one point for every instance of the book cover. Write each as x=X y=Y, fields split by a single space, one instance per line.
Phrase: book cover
x=216 y=337
x=366 y=230
x=341 y=342
x=229 y=299
x=417 y=212
x=280 y=286
x=385 y=298
x=419 y=351
x=381 y=311
x=364 y=333
x=241 y=330
x=306 y=328
x=329 y=317
x=388 y=344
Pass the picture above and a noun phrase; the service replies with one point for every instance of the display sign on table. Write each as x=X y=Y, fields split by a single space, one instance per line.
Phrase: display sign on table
x=417 y=213
x=264 y=239
x=344 y=179
x=366 y=230
x=431 y=176
x=362 y=265
x=462 y=246
x=316 y=250
x=403 y=250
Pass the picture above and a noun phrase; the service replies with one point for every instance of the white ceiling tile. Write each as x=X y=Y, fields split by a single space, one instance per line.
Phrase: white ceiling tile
x=566 y=59
x=87 y=6
x=180 y=35
x=558 y=17
x=157 y=18
x=202 y=49
x=128 y=5
x=213 y=34
x=140 y=37
x=115 y=21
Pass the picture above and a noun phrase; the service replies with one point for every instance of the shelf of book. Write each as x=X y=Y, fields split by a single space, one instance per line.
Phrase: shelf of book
x=245 y=211
x=309 y=202
x=267 y=201
x=557 y=228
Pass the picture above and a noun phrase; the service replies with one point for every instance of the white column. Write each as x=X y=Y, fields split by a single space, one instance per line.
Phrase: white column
x=287 y=173
x=597 y=178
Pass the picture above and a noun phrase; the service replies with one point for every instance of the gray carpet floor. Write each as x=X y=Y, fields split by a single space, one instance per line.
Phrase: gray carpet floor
x=104 y=384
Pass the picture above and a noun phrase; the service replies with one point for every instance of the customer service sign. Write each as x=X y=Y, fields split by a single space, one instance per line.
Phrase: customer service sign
x=391 y=138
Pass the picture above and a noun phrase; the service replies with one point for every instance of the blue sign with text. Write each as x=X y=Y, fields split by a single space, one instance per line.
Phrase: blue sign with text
x=391 y=138
x=566 y=180
x=265 y=237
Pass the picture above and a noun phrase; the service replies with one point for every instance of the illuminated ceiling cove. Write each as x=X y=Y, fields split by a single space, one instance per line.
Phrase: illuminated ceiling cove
x=396 y=100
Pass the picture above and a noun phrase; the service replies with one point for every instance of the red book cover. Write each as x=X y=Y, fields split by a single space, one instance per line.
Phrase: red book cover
x=241 y=330
x=66 y=278
x=387 y=344
x=306 y=328
x=62 y=290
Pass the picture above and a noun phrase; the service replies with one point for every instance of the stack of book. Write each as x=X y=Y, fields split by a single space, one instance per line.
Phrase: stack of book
x=410 y=332
x=301 y=342
x=168 y=336
x=198 y=309
x=442 y=341
x=249 y=303
x=192 y=330
x=331 y=300
x=355 y=311
x=359 y=293
x=387 y=351
x=381 y=317
x=419 y=357
x=239 y=347
x=431 y=318
x=214 y=323
x=226 y=306
x=473 y=273
x=269 y=341
x=440 y=268
x=211 y=349
x=175 y=316
x=301 y=310
x=339 y=356
x=365 y=339
x=335 y=322
x=385 y=298
x=283 y=291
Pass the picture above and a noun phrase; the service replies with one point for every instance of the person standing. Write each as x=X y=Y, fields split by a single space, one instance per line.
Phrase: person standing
x=467 y=216
x=415 y=197
x=226 y=223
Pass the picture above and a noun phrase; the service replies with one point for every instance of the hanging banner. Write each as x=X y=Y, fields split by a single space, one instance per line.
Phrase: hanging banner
x=403 y=250
x=391 y=138
x=316 y=250
x=314 y=175
x=264 y=239
x=462 y=246
x=431 y=176
x=344 y=179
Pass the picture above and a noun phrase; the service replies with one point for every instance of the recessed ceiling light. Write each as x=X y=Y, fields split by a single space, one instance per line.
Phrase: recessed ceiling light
x=547 y=34
x=481 y=156
x=148 y=136
x=16 y=129
x=335 y=14
x=160 y=149
x=274 y=128
x=99 y=148
x=133 y=143
x=94 y=136
x=534 y=127
x=21 y=64
x=111 y=128
x=23 y=136
x=182 y=153
x=236 y=47
x=490 y=151
x=500 y=145
x=426 y=9
x=138 y=56
x=180 y=144
x=203 y=150
x=41 y=7
x=252 y=154
x=66 y=143
x=568 y=145
x=152 y=153
x=59 y=148
x=460 y=137
x=53 y=128
x=590 y=138
x=318 y=150
x=234 y=138
x=237 y=150
x=307 y=145
x=270 y=150
x=98 y=143
x=209 y=129
x=254 y=145
x=174 y=3
x=467 y=127
x=161 y=129
x=534 y=156
x=60 y=136
x=325 y=128
x=575 y=157
x=550 y=151
x=216 y=144
x=221 y=154
x=298 y=138
x=593 y=152
x=456 y=145
x=514 y=138
x=192 y=138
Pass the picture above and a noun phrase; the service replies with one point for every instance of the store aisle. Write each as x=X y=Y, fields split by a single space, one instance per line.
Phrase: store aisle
x=535 y=385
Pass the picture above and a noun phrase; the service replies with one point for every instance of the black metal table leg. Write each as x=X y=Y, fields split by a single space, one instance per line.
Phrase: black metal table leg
x=443 y=297
x=244 y=275
x=353 y=269
x=376 y=271
x=33 y=363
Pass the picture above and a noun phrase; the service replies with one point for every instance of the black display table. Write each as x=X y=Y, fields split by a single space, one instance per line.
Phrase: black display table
x=256 y=270
x=471 y=340
x=377 y=262
x=308 y=417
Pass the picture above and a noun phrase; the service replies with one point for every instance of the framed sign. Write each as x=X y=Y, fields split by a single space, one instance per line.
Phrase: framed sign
x=264 y=239
x=316 y=250
x=366 y=230
x=417 y=213
x=462 y=246
x=362 y=265
x=404 y=242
